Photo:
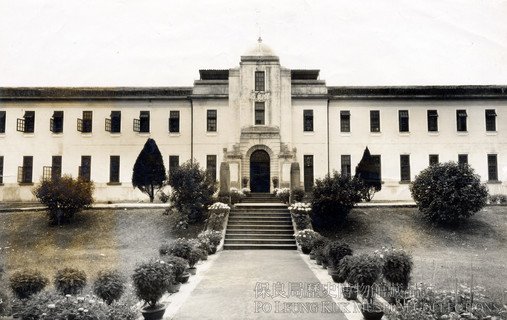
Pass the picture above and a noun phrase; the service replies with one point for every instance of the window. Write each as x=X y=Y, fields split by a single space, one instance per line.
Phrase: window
x=211 y=121
x=346 y=170
x=56 y=167
x=27 y=124
x=461 y=120
x=2 y=121
x=211 y=166
x=25 y=172
x=492 y=167
x=432 y=120
x=85 y=168
x=403 y=120
x=259 y=81
x=490 y=120
x=260 y=113
x=308 y=172
x=307 y=120
x=142 y=124
x=345 y=121
x=433 y=159
x=113 y=124
x=405 y=167
x=174 y=162
x=114 y=169
x=174 y=121
x=377 y=165
x=374 y=121
x=1 y=169
x=56 y=122
x=84 y=125
x=462 y=159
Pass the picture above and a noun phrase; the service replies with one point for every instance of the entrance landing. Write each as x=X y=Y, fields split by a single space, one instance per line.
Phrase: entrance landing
x=259 y=284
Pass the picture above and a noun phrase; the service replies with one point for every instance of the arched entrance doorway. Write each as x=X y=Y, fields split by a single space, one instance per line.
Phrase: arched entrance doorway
x=259 y=171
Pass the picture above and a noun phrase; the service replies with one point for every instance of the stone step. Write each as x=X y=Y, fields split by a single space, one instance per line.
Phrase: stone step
x=260 y=223
x=244 y=235
x=259 y=218
x=260 y=247
x=259 y=241
x=262 y=208
x=261 y=195
x=262 y=226
x=260 y=214
x=285 y=231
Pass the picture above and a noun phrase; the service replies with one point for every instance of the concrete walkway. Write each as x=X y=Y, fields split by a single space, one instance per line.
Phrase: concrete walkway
x=259 y=284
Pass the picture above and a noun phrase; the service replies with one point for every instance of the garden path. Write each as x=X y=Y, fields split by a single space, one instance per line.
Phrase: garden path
x=259 y=284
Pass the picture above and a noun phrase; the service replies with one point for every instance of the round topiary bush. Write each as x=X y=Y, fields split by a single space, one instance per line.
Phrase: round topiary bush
x=343 y=269
x=397 y=267
x=447 y=193
x=109 y=285
x=194 y=256
x=297 y=194
x=70 y=281
x=179 y=265
x=151 y=280
x=25 y=283
x=335 y=252
x=318 y=245
x=179 y=248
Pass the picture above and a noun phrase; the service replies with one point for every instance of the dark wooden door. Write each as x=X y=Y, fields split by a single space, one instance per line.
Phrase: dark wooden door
x=259 y=171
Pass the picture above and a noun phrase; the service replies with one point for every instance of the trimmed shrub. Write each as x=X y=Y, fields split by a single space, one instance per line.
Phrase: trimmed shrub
x=236 y=196
x=179 y=248
x=343 y=269
x=318 y=245
x=64 y=197
x=194 y=256
x=179 y=265
x=109 y=285
x=211 y=238
x=365 y=271
x=448 y=193
x=149 y=170
x=70 y=281
x=283 y=194
x=302 y=221
x=305 y=238
x=335 y=252
x=333 y=198
x=151 y=280
x=193 y=190
x=297 y=195
x=368 y=173
x=217 y=213
x=397 y=267
x=224 y=197
x=25 y=283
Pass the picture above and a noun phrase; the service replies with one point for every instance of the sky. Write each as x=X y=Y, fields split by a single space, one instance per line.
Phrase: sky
x=166 y=42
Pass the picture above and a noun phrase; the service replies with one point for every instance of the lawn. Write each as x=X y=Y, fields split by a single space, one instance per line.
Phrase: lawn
x=96 y=240
x=442 y=256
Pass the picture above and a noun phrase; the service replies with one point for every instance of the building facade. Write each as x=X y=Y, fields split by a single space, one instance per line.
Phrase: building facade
x=260 y=119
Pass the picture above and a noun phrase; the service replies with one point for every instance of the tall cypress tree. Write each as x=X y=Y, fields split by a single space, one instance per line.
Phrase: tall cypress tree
x=149 y=171
x=368 y=171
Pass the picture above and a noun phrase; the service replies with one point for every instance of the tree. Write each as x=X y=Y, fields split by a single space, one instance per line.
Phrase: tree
x=64 y=197
x=332 y=199
x=192 y=192
x=149 y=171
x=368 y=171
x=448 y=193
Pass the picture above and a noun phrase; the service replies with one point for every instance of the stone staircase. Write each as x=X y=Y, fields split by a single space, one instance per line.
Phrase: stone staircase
x=260 y=222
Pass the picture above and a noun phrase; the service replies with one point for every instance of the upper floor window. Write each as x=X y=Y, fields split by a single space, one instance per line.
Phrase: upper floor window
x=308 y=120
x=174 y=121
x=260 y=84
x=260 y=113
x=490 y=120
x=374 y=121
x=27 y=123
x=113 y=124
x=433 y=159
x=143 y=123
x=211 y=121
x=432 y=120
x=461 y=120
x=2 y=121
x=84 y=125
x=56 y=122
x=345 y=121
x=403 y=120
x=492 y=167
x=405 y=167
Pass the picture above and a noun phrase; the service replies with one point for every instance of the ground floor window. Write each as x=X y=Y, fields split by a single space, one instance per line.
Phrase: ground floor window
x=25 y=172
x=433 y=159
x=114 y=169
x=1 y=169
x=211 y=166
x=56 y=167
x=85 y=168
x=462 y=159
x=174 y=162
x=404 y=167
x=308 y=172
x=346 y=170
x=492 y=167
